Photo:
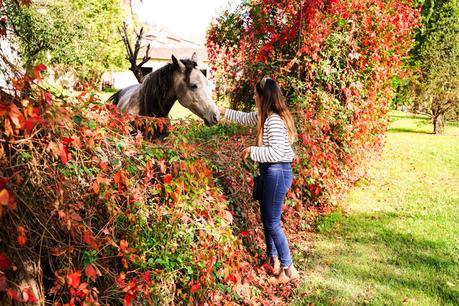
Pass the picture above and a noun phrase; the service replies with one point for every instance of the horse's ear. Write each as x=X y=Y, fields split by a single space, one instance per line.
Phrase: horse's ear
x=194 y=57
x=178 y=63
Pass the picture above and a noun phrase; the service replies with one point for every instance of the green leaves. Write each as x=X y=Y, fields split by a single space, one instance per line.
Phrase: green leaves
x=69 y=34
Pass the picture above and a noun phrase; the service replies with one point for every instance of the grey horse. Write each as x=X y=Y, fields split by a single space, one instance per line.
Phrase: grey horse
x=181 y=81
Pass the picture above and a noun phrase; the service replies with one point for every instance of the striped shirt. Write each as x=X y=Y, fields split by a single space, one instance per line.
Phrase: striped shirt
x=276 y=147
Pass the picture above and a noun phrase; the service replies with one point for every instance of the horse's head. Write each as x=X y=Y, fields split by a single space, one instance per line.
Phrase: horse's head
x=192 y=92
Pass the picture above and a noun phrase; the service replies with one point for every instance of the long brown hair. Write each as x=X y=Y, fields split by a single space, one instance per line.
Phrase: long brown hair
x=272 y=101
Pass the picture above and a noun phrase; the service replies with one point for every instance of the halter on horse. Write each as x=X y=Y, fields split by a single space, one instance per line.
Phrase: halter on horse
x=180 y=80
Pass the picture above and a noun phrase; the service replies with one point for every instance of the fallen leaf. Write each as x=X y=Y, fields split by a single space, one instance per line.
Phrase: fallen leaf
x=58 y=251
x=73 y=279
x=123 y=245
x=90 y=272
x=90 y=240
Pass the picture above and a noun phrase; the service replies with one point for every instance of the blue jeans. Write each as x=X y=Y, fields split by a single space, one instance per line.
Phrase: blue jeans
x=276 y=179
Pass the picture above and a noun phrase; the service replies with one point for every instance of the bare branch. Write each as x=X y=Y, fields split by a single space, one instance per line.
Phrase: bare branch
x=132 y=54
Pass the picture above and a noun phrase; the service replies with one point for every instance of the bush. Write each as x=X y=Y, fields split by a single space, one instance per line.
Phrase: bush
x=335 y=61
x=93 y=213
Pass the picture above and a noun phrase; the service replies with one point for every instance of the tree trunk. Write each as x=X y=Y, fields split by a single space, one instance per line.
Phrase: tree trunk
x=133 y=53
x=438 y=123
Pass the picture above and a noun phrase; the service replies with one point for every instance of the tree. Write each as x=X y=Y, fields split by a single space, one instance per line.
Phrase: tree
x=133 y=53
x=77 y=33
x=437 y=57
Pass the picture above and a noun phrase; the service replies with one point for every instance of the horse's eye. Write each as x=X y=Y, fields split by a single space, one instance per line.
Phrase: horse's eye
x=194 y=86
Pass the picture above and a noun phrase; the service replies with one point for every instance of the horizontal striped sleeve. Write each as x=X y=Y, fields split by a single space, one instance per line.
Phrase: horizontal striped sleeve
x=241 y=117
x=276 y=147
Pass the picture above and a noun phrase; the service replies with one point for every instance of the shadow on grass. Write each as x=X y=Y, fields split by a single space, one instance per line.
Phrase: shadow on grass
x=381 y=264
x=408 y=116
x=407 y=130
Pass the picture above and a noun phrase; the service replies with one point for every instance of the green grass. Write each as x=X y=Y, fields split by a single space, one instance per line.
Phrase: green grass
x=396 y=240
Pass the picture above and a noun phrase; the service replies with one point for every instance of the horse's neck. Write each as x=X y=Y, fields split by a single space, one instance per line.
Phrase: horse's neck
x=163 y=109
x=157 y=93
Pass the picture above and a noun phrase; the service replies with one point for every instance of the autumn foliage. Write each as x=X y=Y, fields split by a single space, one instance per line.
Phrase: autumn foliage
x=92 y=212
x=334 y=61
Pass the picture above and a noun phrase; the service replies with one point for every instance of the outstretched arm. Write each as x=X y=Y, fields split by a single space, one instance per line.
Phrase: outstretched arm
x=240 y=117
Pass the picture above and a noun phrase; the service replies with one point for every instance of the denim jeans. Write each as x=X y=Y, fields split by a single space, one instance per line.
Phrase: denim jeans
x=276 y=179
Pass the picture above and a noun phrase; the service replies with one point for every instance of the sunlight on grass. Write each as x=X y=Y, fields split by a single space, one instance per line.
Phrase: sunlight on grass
x=396 y=240
x=180 y=112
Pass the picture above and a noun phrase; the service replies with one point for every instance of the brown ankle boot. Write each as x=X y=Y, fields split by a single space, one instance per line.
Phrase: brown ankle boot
x=282 y=278
x=286 y=275
x=276 y=265
x=292 y=273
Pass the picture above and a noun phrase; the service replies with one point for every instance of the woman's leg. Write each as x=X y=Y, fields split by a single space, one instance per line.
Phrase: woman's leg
x=271 y=250
x=276 y=182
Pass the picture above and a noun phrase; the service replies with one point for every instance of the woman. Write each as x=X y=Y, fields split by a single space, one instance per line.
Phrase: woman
x=275 y=135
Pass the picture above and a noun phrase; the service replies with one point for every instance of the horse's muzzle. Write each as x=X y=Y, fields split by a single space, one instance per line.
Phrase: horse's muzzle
x=212 y=121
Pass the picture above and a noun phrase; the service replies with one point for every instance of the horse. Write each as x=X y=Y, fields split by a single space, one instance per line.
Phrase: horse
x=181 y=81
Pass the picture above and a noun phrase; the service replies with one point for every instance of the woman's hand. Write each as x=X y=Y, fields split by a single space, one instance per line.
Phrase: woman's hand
x=222 y=111
x=246 y=154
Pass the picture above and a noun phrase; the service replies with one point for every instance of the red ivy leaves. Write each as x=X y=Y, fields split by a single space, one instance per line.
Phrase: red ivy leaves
x=167 y=178
x=73 y=279
x=244 y=233
x=90 y=240
x=14 y=119
x=5 y=262
x=39 y=68
x=120 y=179
x=90 y=272
x=195 y=287
x=22 y=238
x=64 y=153
x=28 y=296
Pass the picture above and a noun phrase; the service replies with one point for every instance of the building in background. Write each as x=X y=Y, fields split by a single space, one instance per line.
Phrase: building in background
x=162 y=45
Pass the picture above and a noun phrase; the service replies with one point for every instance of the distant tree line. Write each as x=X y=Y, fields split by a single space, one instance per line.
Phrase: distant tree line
x=433 y=87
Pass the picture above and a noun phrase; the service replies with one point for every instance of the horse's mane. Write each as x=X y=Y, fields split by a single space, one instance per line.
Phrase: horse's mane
x=156 y=89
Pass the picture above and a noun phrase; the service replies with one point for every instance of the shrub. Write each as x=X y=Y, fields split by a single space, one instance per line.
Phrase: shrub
x=105 y=216
x=335 y=61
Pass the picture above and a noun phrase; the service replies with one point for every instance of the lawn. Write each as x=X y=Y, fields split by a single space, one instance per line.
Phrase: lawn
x=396 y=240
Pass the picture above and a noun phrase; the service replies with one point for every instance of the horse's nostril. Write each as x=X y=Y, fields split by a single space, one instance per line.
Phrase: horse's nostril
x=215 y=118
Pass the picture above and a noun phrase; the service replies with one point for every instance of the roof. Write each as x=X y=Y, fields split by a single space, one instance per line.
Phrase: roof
x=164 y=44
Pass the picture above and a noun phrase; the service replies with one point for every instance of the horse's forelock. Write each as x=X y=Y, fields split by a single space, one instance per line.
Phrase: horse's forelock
x=189 y=66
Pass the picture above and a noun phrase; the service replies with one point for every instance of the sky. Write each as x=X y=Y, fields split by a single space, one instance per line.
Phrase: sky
x=185 y=18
